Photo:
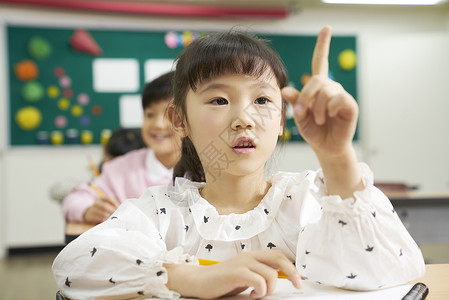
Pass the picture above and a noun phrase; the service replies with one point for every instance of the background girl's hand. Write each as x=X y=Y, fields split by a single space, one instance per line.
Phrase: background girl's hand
x=102 y=209
x=325 y=114
x=256 y=269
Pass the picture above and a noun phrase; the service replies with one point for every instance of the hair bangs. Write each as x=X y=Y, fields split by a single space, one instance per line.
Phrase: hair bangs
x=233 y=53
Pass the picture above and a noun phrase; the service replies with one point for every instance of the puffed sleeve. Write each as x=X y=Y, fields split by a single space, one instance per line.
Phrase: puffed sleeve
x=358 y=243
x=120 y=258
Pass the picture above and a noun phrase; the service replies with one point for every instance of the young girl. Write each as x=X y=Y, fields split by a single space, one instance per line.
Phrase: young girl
x=333 y=224
x=128 y=176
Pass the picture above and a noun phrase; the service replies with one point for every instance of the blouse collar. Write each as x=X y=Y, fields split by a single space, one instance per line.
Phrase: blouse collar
x=156 y=170
x=232 y=227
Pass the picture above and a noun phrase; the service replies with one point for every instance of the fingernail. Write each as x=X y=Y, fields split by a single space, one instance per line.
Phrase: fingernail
x=299 y=283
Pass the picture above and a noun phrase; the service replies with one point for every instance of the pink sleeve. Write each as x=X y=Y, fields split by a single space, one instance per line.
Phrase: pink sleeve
x=124 y=177
x=74 y=206
x=77 y=202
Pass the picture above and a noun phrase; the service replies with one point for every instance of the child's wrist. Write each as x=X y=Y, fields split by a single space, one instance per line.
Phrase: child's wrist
x=182 y=279
x=342 y=158
x=342 y=173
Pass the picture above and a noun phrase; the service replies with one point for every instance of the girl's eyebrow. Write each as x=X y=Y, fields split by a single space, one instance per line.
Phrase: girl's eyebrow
x=262 y=85
x=213 y=86
x=216 y=86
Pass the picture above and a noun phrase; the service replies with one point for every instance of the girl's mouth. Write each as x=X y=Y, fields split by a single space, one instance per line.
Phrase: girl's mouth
x=244 y=145
x=159 y=137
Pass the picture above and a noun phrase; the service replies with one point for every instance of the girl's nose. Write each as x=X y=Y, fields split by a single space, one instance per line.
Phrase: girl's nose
x=161 y=122
x=243 y=121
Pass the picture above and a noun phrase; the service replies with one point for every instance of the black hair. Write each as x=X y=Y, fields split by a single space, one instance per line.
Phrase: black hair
x=157 y=90
x=208 y=57
x=122 y=141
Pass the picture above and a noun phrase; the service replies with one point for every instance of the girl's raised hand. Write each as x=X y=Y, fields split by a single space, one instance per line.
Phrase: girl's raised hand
x=252 y=269
x=325 y=114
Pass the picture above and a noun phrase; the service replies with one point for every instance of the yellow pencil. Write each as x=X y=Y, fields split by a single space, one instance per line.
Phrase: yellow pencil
x=93 y=167
x=208 y=262
x=96 y=189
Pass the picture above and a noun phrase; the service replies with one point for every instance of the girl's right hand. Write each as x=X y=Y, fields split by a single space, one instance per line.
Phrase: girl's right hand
x=256 y=269
x=101 y=210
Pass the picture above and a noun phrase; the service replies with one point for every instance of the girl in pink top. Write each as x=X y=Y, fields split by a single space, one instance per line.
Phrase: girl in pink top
x=129 y=175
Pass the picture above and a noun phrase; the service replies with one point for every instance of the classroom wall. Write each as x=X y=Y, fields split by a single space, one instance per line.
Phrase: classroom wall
x=402 y=92
x=3 y=130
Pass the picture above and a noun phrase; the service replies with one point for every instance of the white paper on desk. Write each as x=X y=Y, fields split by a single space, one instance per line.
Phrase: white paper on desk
x=285 y=290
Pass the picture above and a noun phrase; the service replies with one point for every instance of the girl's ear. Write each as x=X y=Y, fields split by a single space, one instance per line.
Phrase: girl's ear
x=281 y=130
x=177 y=121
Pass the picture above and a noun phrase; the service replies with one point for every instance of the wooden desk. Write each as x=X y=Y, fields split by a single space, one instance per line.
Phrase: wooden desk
x=437 y=280
x=73 y=230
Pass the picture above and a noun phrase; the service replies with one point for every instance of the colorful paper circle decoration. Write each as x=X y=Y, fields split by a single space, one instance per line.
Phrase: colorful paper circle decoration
x=85 y=120
x=39 y=47
x=57 y=138
x=83 y=99
x=72 y=135
x=42 y=137
x=187 y=38
x=63 y=104
x=347 y=59
x=53 y=91
x=28 y=118
x=60 y=121
x=171 y=39
x=105 y=136
x=32 y=91
x=59 y=71
x=76 y=110
x=26 y=70
x=86 y=137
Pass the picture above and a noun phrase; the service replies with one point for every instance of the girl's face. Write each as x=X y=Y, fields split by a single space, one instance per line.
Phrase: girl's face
x=234 y=122
x=157 y=131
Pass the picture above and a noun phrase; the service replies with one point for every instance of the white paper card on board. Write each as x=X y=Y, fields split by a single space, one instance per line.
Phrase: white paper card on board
x=115 y=75
x=156 y=67
x=131 y=113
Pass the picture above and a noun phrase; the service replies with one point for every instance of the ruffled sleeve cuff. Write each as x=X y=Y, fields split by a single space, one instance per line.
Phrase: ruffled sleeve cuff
x=158 y=275
x=334 y=203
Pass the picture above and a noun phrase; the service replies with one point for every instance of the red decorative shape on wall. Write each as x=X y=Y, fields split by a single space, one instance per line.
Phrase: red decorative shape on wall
x=82 y=41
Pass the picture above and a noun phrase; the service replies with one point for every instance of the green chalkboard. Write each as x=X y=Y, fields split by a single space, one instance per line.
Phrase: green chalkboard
x=102 y=110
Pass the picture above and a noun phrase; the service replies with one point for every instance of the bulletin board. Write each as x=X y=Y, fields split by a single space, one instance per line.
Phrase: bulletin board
x=62 y=101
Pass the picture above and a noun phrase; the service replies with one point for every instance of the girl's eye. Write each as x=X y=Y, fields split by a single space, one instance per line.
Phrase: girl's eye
x=149 y=115
x=261 y=100
x=219 y=101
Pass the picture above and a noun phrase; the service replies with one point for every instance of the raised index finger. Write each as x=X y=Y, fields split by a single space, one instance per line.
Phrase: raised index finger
x=320 y=60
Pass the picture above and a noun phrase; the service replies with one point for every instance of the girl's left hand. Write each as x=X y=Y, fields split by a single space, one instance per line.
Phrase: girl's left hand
x=325 y=114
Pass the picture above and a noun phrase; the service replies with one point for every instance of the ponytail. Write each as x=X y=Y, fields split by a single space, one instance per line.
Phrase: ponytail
x=189 y=165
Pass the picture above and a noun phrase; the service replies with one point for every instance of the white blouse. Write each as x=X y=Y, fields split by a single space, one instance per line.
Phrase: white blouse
x=355 y=244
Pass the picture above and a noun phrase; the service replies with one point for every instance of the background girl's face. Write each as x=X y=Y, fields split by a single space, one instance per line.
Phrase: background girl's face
x=157 y=131
x=234 y=122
